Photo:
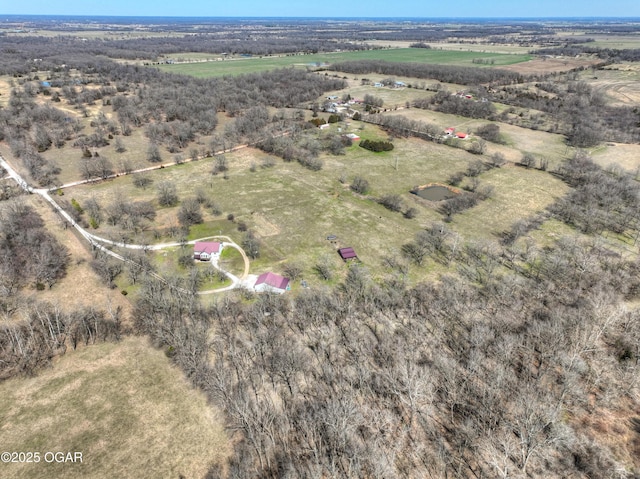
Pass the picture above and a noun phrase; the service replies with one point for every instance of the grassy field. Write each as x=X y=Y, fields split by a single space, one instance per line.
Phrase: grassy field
x=518 y=140
x=124 y=406
x=237 y=66
x=620 y=42
x=517 y=194
x=626 y=156
x=479 y=47
x=619 y=83
x=293 y=210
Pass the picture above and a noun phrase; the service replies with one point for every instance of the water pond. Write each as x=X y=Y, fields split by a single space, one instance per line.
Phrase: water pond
x=435 y=193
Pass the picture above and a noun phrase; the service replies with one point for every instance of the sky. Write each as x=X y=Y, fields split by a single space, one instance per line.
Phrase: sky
x=328 y=8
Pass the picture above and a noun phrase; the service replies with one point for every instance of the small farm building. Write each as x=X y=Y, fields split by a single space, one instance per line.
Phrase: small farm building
x=347 y=253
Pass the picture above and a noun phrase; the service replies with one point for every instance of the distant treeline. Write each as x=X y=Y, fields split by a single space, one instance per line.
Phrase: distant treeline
x=443 y=73
x=20 y=55
x=609 y=54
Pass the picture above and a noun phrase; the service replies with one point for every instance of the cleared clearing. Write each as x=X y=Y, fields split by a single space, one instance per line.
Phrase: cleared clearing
x=517 y=193
x=550 y=65
x=124 y=406
x=293 y=210
x=624 y=155
x=619 y=83
x=518 y=140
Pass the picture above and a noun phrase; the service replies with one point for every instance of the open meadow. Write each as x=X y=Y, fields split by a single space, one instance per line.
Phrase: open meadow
x=122 y=405
x=619 y=83
x=237 y=66
x=517 y=140
x=293 y=210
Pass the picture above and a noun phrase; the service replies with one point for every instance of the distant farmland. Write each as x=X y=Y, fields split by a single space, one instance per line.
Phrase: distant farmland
x=237 y=66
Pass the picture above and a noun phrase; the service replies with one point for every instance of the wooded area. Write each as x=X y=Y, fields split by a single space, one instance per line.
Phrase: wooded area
x=496 y=371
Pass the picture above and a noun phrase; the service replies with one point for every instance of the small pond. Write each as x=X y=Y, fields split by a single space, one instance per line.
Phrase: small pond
x=435 y=193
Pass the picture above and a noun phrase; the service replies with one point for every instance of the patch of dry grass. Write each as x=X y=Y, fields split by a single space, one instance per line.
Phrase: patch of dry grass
x=549 y=65
x=518 y=193
x=124 y=406
x=518 y=140
x=619 y=83
x=623 y=155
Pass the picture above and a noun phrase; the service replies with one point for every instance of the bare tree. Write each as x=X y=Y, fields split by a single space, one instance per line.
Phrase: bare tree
x=189 y=212
x=167 y=194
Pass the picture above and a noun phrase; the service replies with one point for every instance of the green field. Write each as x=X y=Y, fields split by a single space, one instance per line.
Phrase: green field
x=237 y=66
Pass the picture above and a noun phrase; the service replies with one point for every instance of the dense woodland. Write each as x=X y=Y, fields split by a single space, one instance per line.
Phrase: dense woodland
x=521 y=361
x=28 y=252
x=442 y=73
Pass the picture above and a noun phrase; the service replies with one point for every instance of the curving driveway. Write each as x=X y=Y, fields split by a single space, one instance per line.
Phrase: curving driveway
x=99 y=242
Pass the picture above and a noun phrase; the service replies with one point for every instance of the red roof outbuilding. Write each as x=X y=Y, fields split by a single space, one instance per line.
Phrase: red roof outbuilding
x=347 y=253
x=274 y=280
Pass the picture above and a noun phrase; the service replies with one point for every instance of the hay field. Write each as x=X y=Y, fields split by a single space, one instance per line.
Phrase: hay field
x=542 y=65
x=124 y=406
x=619 y=83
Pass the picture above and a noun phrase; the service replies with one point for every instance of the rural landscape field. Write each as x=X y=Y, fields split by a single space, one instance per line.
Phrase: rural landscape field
x=319 y=248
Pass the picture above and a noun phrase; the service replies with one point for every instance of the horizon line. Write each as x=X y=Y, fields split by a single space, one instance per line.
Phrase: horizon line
x=82 y=15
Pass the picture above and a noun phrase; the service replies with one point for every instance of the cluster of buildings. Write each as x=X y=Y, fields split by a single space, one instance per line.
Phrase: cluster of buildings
x=452 y=133
x=334 y=105
x=266 y=282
